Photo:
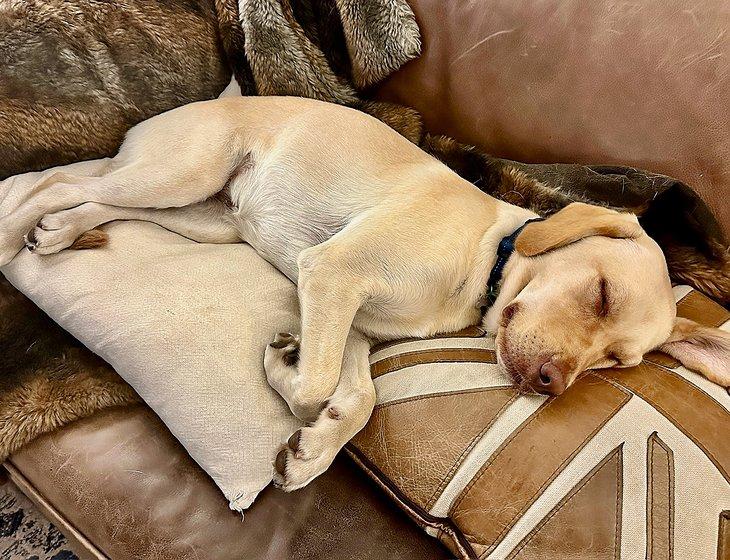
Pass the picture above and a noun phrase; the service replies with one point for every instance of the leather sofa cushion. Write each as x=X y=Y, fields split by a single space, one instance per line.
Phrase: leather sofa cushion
x=634 y=83
x=626 y=460
x=127 y=486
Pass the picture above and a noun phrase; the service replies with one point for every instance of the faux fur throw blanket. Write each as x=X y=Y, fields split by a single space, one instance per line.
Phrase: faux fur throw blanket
x=332 y=50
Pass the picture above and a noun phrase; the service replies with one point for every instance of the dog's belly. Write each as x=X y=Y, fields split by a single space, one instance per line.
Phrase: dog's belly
x=277 y=215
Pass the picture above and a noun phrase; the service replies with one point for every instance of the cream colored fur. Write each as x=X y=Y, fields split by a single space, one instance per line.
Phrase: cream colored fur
x=378 y=236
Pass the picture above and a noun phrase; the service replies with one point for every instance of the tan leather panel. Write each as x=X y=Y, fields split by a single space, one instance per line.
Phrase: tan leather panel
x=437 y=355
x=122 y=480
x=662 y=359
x=703 y=310
x=532 y=457
x=692 y=410
x=419 y=443
x=586 y=523
x=723 y=537
x=659 y=500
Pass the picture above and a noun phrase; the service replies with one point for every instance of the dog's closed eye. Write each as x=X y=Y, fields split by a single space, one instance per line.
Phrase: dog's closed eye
x=613 y=357
x=603 y=301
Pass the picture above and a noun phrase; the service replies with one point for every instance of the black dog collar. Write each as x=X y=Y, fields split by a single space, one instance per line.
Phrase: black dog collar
x=504 y=251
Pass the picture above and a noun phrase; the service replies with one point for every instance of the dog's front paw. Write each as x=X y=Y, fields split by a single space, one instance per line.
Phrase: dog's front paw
x=284 y=348
x=307 y=454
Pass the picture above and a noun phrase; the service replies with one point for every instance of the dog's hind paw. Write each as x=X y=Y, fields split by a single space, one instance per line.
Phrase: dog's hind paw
x=51 y=236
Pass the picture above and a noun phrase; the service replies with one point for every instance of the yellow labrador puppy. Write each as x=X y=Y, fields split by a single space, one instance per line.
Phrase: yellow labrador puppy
x=381 y=237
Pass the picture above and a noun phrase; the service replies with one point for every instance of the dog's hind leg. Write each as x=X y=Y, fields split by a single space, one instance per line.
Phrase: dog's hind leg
x=204 y=222
x=311 y=450
x=138 y=185
x=156 y=167
x=20 y=188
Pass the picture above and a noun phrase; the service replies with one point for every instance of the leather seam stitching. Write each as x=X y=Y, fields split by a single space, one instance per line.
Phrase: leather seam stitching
x=459 y=460
x=573 y=491
x=392 y=343
x=439 y=394
x=430 y=351
x=509 y=525
x=650 y=495
x=619 y=502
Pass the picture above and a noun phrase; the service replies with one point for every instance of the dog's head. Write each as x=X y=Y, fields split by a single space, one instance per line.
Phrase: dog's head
x=589 y=289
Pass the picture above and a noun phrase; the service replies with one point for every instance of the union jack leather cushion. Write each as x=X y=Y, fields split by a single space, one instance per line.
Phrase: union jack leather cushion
x=630 y=464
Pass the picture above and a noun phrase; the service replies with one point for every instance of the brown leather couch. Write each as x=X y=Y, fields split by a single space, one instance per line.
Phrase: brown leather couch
x=598 y=81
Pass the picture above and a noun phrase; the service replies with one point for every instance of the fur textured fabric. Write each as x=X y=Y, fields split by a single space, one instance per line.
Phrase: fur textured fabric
x=75 y=76
x=48 y=378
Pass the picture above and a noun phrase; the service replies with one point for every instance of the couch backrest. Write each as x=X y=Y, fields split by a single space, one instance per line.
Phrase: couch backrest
x=643 y=83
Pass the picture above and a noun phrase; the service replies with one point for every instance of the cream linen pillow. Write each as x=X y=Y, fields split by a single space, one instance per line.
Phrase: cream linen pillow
x=186 y=325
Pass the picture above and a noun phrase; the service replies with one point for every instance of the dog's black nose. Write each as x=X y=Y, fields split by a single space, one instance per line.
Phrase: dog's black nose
x=550 y=380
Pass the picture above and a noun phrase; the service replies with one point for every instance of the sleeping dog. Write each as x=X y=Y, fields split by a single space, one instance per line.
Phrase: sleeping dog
x=383 y=242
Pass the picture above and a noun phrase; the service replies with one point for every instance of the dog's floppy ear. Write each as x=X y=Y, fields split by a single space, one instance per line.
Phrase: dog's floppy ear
x=701 y=349
x=572 y=223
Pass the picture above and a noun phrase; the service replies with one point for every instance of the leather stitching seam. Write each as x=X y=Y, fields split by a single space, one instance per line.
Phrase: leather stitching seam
x=459 y=460
x=439 y=394
x=568 y=459
x=619 y=502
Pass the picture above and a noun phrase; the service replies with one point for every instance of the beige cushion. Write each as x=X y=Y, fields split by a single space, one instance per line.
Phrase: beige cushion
x=629 y=463
x=186 y=325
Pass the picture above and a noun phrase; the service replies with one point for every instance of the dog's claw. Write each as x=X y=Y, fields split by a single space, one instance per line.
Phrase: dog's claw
x=294 y=441
x=289 y=345
x=278 y=344
x=30 y=241
x=280 y=463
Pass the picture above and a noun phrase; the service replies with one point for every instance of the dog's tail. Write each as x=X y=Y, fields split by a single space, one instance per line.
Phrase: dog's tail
x=91 y=240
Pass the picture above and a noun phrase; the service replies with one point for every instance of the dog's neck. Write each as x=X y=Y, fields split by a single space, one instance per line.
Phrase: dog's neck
x=510 y=218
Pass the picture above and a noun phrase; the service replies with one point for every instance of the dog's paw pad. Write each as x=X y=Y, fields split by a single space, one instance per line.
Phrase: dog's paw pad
x=30 y=240
x=287 y=345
